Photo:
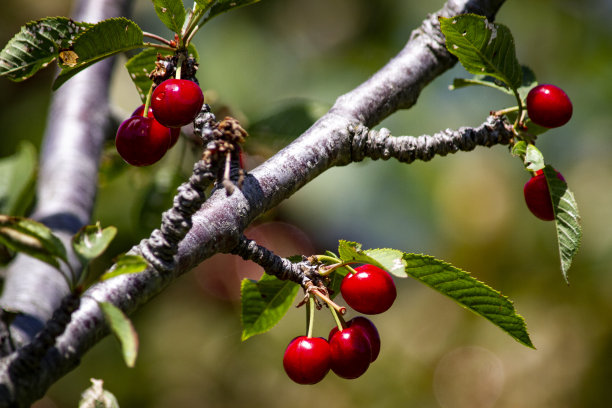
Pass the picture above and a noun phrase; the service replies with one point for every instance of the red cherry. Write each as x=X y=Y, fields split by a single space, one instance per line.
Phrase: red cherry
x=140 y=142
x=370 y=291
x=350 y=353
x=176 y=102
x=307 y=359
x=537 y=196
x=549 y=106
x=368 y=330
x=174 y=132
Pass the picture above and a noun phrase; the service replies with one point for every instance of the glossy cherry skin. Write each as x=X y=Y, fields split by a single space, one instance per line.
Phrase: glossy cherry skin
x=369 y=331
x=537 y=196
x=549 y=106
x=369 y=291
x=176 y=102
x=350 y=353
x=174 y=132
x=307 y=359
x=141 y=143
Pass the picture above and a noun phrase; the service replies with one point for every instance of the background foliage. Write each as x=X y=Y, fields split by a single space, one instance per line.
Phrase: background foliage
x=467 y=209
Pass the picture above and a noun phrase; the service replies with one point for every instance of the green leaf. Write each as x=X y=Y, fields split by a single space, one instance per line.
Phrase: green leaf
x=123 y=329
x=483 y=48
x=528 y=82
x=264 y=303
x=18 y=179
x=97 y=397
x=534 y=160
x=469 y=293
x=519 y=149
x=141 y=65
x=220 y=6
x=567 y=219
x=126 y=264
x=32 y=238
x=102 y=40
x=91 y=241
x=171 y=13
x=36 y=45
x=385 y=258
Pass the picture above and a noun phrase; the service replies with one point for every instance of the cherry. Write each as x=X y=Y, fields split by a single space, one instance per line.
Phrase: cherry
x=174 y=132
x=370 y=291
x=176 y=102
x=537 y=196
x=307 y=359
x=141 y=142
x=351 y=352
x=369 y=331
x=549 y=106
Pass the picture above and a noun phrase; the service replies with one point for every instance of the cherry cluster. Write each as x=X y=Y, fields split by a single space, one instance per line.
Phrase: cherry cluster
x=550 y=107
x=353 y=345
x=144 y=139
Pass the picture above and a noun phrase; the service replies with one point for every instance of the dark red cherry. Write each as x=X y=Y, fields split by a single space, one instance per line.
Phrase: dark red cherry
x=549 y=106
x=370 y=291
x=174 y=132
x=176 y=102
x=141 y=143
x=537 y=196
x=307 y=359
x=351 y=353
x=369 y=331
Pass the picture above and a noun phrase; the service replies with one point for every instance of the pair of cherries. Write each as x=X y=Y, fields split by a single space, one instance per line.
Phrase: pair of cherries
x=350 y=351
x=548 y=106
x=144 y=139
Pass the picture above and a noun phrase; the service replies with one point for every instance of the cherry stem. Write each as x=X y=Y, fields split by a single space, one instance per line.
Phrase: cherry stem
x=157 y=37
x=179 y=65
x=145 y=112
x=340 y=322
x=310 y=316
x=327 y=259
x=505 y=111
x=161 y=47
x=325 y=270
x=311 y=288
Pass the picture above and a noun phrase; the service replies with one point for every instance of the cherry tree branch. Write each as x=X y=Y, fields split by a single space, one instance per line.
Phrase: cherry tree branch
x=218 y=225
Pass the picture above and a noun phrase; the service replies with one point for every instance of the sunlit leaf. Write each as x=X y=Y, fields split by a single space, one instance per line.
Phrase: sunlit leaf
x=385 y=258
x=102 y=40
x=483 y=47
x=123 y=329
x=32 y=238
x=534 y=160
x=171 y=13
x=217 y=7
x=264 y=303
x=36 y=45
x=126 y=264
x=567 y=219
x=469 y=293
x=91 y=241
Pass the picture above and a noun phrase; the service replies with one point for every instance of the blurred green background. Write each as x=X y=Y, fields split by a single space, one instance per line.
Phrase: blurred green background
x=466 y=209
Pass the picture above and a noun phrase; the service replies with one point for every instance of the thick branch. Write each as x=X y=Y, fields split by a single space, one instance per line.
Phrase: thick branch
x=218 y=226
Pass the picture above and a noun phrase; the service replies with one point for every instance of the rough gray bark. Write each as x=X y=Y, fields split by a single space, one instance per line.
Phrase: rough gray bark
x=218 y=225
